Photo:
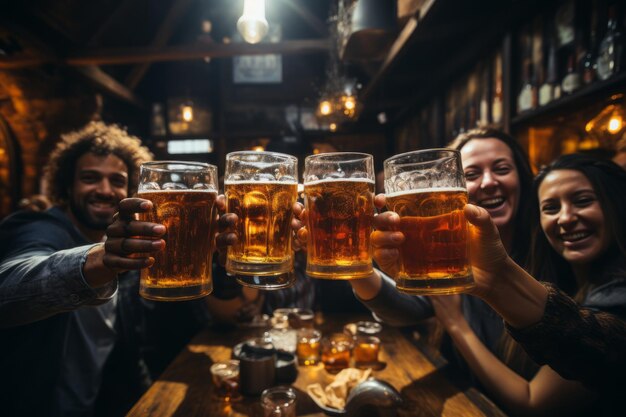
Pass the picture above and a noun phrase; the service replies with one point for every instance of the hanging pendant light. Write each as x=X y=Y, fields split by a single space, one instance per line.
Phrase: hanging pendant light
x=252 y=24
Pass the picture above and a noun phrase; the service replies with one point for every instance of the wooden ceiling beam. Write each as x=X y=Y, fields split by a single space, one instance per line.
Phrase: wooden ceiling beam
x=44 y=54
x=103 y=81
x=163 y=34
x=123 y=56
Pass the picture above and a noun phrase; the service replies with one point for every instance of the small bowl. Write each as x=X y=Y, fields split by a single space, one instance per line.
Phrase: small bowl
x=373 y=392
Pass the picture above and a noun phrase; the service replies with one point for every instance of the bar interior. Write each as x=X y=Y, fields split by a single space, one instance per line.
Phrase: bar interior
x=312 y=208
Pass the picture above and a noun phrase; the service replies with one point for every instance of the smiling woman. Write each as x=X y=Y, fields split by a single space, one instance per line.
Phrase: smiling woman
x=582 y=240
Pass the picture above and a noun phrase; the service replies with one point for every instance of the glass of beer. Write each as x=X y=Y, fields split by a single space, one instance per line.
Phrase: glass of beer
x=336 y=352
x=225 y=376
x=308 y=348
x=427 y=190
x=183 y=195
x=339 y=200
x=261 y=188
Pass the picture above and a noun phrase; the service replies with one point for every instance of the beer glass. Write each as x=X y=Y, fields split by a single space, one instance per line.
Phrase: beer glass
x=427 y=190
x=339 y=199
x=261 y=188
x=183 y=195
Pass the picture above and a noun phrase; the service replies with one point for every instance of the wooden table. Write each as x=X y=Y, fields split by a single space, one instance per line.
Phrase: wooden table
x=185 y=388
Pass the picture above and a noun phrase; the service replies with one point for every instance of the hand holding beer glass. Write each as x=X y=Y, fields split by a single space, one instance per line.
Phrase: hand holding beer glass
x=427 y=190
x=183 y=195
x=261 y=189
x=339 y=201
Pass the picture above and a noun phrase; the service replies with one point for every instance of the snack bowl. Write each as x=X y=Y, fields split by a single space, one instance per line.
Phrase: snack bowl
x=373 y=394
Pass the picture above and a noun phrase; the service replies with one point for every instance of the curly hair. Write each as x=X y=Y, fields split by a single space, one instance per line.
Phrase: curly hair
x=100 y=139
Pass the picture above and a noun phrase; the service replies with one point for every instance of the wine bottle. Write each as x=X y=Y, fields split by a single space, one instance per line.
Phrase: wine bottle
x=611 y=47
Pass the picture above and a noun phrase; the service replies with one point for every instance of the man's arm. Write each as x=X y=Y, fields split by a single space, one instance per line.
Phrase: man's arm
x=40 y=281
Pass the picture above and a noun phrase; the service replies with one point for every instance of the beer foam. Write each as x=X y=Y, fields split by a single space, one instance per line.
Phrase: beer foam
x=252 y=182
x=367 y=180
x=178 y=190
x=427 y=190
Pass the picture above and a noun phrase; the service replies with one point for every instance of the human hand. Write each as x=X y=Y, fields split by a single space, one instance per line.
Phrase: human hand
x=386 y=241
x=489 y=259
x=298 y=224
x=226 y=235
x=448 y=310
x=130 y=242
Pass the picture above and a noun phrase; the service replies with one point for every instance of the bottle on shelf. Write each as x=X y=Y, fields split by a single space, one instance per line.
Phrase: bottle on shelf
x=571 y=80
x=550 y=90
x=527 y=99
x=496 y=103
x=611 y=48
x=589 y=63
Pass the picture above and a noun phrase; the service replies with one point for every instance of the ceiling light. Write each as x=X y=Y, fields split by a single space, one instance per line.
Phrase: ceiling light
x=252 y=24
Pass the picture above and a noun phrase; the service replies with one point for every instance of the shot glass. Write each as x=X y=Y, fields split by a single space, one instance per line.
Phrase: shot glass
x=279 y=402
x=366 y=349
x=370 y=328
x=336 y=352
x=225 y=376
x=308 y=348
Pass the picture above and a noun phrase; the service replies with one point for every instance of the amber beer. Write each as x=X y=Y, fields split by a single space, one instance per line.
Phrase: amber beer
x=434 y=258
x=265 y=210
x=183 y=270
x=339 y=215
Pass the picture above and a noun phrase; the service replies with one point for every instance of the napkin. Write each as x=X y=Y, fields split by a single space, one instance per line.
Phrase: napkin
x=336 y=393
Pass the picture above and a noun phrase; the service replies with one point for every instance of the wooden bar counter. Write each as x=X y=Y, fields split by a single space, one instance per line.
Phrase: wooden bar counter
x=185 y=388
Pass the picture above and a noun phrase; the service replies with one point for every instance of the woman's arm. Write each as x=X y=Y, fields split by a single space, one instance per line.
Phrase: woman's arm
x=546 y=394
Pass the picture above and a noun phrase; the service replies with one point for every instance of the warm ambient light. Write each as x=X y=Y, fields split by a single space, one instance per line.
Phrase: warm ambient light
x=252 y=24
x=350 y=103
x=325 y=108
x=258 y=148
x=187 y=112
x=615 y=124
x=332 y=127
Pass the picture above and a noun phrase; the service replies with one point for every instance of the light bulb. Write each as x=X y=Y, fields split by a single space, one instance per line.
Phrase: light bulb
x=187 y=112
x=350 y=103
x=252 y=24
x=615 y=124
x=333 y=127
x=325 y=108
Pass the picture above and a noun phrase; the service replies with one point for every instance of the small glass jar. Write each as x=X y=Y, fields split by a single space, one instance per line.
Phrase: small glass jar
x=308 y=349
x=336 y=352
x=225 y=377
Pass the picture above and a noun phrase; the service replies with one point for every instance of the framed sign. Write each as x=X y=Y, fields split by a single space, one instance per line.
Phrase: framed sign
x=258 y=69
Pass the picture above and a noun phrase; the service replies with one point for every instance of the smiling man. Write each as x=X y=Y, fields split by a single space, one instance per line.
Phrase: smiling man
x=63 y=316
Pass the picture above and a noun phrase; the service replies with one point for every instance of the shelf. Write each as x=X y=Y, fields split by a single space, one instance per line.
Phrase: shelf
x=576 y=100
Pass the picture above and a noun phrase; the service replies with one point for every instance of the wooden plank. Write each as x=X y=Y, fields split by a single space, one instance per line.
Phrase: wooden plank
x=108 y=84
x=398 y=49
x=123 y=56
x=163 y=34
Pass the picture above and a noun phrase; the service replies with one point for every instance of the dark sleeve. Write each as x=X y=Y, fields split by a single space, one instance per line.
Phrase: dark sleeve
x=578 y=343
x=396 y=308
x=40 y=276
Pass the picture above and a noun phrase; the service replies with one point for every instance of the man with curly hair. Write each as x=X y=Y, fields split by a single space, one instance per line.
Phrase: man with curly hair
x=66 y=319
